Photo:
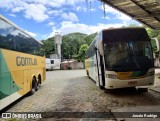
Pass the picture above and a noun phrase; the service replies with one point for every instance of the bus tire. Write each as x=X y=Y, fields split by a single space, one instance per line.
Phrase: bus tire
x=37 y=86
x=33 y=87
x=101 y=87
x=88 y=74
x=89 y=77
x=38 y=82
x=142 y=90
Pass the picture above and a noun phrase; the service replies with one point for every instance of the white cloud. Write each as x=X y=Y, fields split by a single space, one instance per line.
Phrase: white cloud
x=84 y=9
x=92 y=9
x=36 y=12
x=118 y=15
x=50 y=23
x=70 y=16
x=74 y=2
x=78 y=8
x=11 y=4
x=31 y=33
x=39 y=10
x=55 y=12
x=55 y=3
x=106 y=17
x=70 y=27
x=13 y=15
x=18 y=9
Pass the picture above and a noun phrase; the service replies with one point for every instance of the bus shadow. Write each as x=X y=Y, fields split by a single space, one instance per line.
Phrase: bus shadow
x=126 y=91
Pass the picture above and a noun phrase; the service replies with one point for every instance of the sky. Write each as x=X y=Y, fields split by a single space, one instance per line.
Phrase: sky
x=43 y=18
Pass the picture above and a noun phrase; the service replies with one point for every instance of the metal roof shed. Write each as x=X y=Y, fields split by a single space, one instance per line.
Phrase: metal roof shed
x=144 y=11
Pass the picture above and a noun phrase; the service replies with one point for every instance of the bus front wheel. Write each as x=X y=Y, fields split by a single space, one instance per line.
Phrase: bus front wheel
x=101 y=87
x=142 y=90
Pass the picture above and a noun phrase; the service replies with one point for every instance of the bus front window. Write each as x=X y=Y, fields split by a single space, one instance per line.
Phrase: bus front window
x=128 y=56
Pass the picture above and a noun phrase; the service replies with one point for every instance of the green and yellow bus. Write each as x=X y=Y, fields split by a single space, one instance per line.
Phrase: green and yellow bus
x=121 y=57
x=22 y=64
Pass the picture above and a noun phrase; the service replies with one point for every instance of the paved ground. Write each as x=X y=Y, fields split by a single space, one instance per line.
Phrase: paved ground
x=73 y=91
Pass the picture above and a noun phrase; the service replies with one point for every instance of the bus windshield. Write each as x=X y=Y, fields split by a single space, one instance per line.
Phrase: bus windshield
x=128 y=56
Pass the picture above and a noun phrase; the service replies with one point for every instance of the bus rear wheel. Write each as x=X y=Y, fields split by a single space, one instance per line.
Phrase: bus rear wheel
x=33 y=87
x=37 y=86
x=38 y=83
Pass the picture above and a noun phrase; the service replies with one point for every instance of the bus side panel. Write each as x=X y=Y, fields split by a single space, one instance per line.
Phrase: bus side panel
x=44 y=74
x=27 y=81
x=18 y=79
x=17 y=63
x=7 y=87
x=91 y=67
x=16 y=75
x=5 y=90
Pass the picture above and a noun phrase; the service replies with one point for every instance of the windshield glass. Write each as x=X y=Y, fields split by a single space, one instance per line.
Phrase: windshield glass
x=128 y=56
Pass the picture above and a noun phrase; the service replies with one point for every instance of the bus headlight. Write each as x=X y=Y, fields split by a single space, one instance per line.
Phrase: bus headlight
x=111 y=76
x=151 y=73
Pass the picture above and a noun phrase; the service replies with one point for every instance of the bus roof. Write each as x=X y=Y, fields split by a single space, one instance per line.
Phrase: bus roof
x=8 y=21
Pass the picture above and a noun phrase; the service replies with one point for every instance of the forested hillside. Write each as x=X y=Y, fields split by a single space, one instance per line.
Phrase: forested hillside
x=71 y=44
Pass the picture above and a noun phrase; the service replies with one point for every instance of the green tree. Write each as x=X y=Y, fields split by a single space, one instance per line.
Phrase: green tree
x=88 y=39
x=81 y=53
x=71 y=44
x=48 y=47
x=153 y=33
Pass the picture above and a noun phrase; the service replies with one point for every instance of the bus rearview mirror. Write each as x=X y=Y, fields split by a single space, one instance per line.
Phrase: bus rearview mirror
x=100 y=47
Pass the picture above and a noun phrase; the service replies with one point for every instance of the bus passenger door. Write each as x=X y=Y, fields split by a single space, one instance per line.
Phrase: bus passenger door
x=99 y=74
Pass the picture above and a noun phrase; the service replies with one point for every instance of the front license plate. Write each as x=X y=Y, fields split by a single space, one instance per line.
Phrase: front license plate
x=132 y=83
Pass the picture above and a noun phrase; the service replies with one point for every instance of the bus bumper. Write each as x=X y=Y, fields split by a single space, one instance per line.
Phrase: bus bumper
x=116 y=83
